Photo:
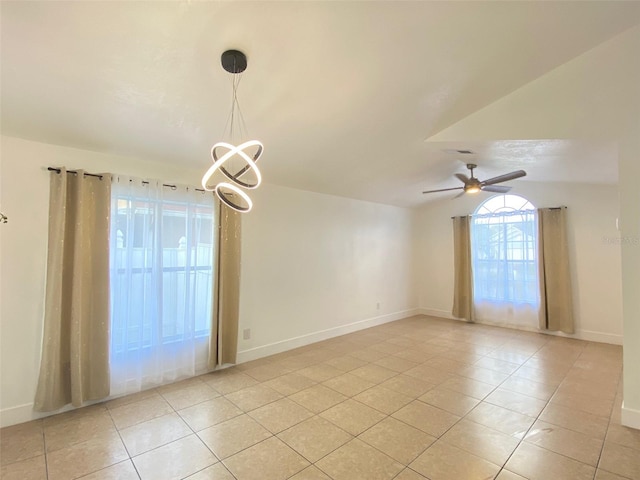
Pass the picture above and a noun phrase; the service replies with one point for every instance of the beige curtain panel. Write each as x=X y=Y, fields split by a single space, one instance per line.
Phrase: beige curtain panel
x=463 y=279
x=556 y=304
x=75 y=348
x=223 y=342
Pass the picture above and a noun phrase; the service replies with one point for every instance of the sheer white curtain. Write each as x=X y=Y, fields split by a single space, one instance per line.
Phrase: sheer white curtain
x=505 y=269
x=162 y=267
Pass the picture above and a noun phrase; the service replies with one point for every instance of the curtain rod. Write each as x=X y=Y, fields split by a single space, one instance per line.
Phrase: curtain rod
x=549 y=208
x=144 y=182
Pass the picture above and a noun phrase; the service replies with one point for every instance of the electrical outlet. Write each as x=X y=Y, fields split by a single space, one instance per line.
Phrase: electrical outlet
x=246 y=334
x=378 y=306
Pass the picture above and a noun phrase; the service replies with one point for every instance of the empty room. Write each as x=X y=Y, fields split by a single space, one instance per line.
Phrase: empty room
x=323 y=240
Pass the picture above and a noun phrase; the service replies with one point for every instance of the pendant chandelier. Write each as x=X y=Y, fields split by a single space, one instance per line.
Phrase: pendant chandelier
x=235 y=159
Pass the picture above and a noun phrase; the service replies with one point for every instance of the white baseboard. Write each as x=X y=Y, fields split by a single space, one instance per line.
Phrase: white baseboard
x=301 y=341
x=586 y=335
x=25 y=413
x=630 y=417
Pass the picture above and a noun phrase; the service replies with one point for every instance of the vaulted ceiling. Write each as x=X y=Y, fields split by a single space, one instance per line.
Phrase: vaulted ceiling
x=356 y=99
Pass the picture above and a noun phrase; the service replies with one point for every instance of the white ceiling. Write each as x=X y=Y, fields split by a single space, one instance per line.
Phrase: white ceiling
x=342 y=94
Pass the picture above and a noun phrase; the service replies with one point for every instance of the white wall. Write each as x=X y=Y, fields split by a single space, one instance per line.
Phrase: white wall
x=310 y=262
x=594 y=251
x=315 y=265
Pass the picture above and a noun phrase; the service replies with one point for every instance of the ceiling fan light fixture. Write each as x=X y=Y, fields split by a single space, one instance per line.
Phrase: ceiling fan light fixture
x=473 y=185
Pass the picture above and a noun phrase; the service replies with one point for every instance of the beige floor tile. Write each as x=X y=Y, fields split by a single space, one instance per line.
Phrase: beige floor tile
x=536 y=463
x=577 y=386
x=497 y=365
x=20 y=442
x=582 y=422
x=267 y=372
x=571 y=444
x=501 y=419
x=148 y=435
x=352 y=416
x=290 y=383
x=214 y=472
x=268 y=460
x=76 y=414
x=540 y=376
x=406 y=385
x=86 y=457
x=408 y=474
x=445 y=364
x=78 y=429
x=492 y=445
x=181 y=384
x=516 y=401
x=120 y=471
x=189 y=395
x=254 y=397
x=397 y=439
x=317 y=398
x=484 y=375
x=508 y=356
x=453 y=402
x=233 y=436
x=469 y=387
x=507 y=475
x=629 y=437
x=442 y=461
x=249 y=365
x=396 y=364
x=358 y=461
x=310 y=473
x=320 y=373
x=315 y=438
x=346 y=363
x=541 y=391
x=604 y=475
x=466 y=357
x=368 y=355
x=382 y=399
x=427 y=418
x=209 y=413
x=177 y=459
x=428 y=374
x=32 y=469
x=373 y=373
x=280 y=415
x=387 y=347
x=132 y=398
x=131 y=413
x=593 y=405
x=414 y=355
x=229 y=382
x=430 y=363
x=620 y=460
x=348 y=385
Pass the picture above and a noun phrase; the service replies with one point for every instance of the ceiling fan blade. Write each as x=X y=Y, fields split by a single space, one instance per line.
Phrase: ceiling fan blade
x=505 y=178
x=463 y=178
x=458 y=195
x=495 y=188
x=443 y=190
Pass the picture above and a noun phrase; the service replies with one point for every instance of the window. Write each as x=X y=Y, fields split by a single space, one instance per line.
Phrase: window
x=161 y=274
x=504 y=251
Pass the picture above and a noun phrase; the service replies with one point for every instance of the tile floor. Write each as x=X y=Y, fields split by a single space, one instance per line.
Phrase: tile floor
x=420 y=398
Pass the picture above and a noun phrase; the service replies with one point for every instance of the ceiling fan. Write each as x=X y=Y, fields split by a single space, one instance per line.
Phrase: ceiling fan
x=473 y=185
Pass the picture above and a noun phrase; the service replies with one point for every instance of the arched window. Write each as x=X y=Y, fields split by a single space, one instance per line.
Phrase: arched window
x=504 y=253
